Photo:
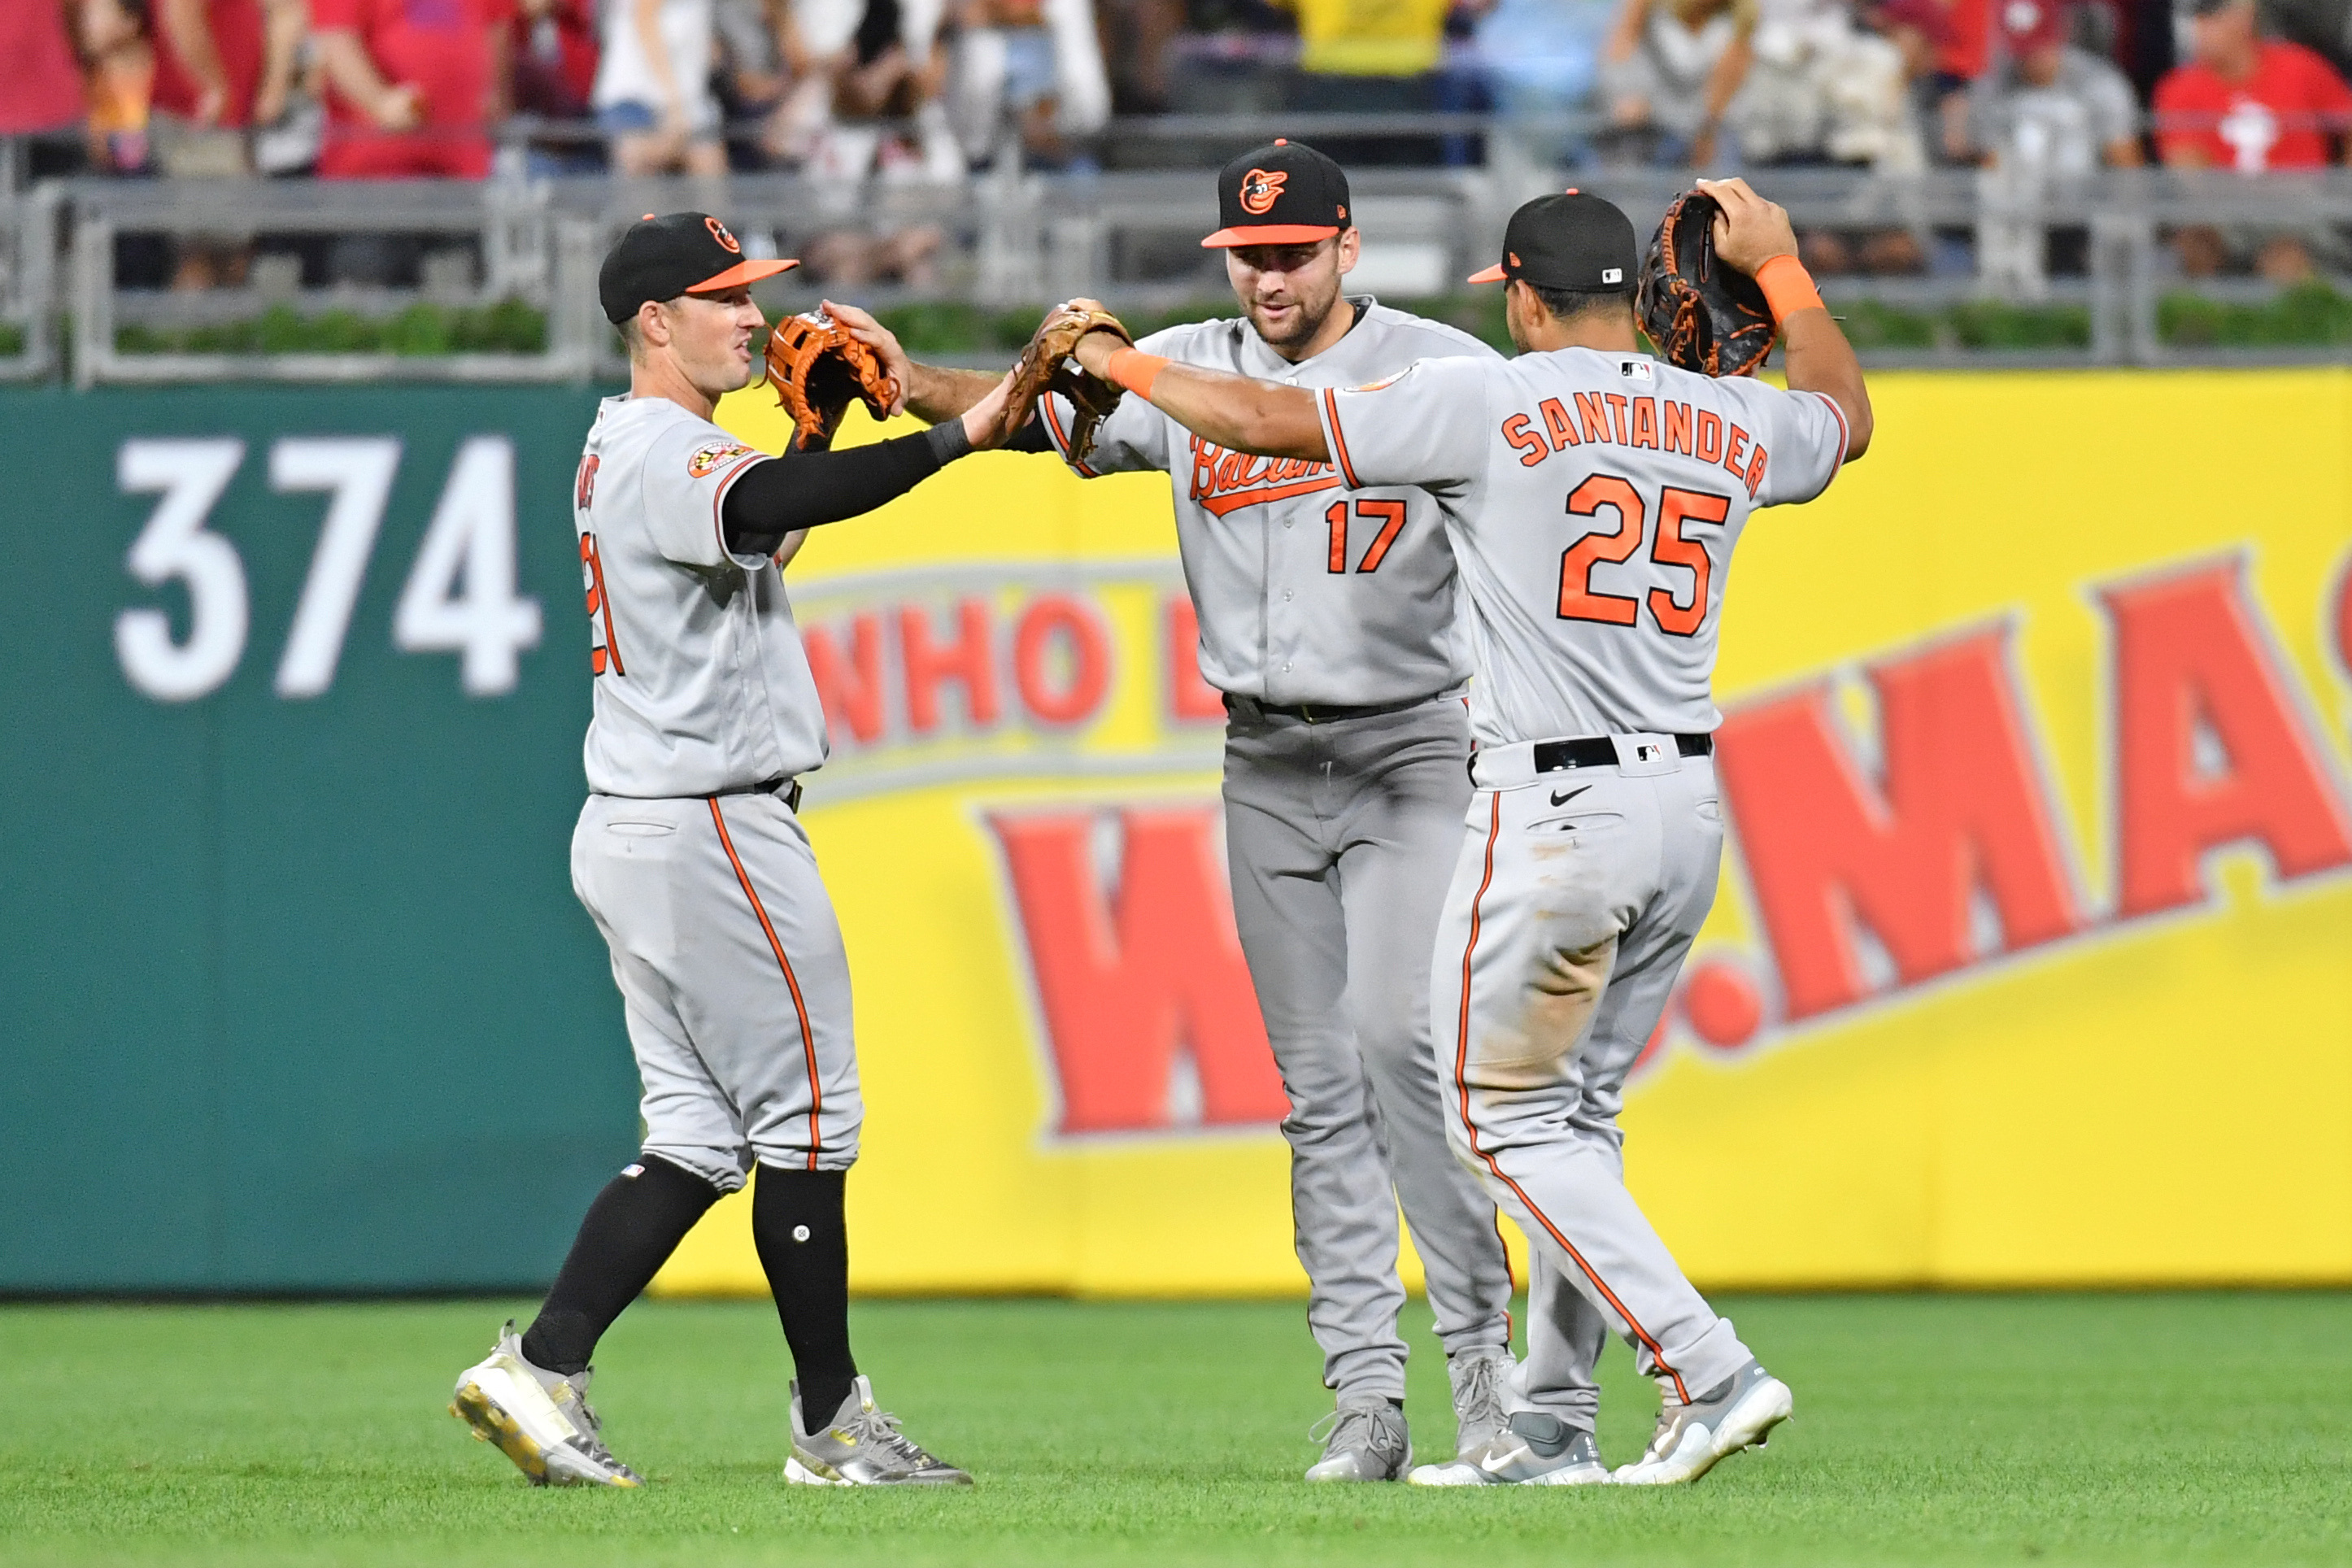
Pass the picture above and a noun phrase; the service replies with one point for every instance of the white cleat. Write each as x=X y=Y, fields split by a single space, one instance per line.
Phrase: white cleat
x=1366 y=1441
x=1736 y=1413
x=536 y=1418
x=1479 y=1377
x=1535 y=1449
x=862 y=1446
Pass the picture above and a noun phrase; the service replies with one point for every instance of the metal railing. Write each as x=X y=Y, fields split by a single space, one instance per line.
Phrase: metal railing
x=1006 y=240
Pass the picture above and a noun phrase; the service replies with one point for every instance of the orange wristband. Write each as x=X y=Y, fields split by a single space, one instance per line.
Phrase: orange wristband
x=1788 y=287
x=1136 y=371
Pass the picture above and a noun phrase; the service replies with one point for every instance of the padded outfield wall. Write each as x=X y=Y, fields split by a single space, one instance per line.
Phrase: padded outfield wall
x=2033 y=961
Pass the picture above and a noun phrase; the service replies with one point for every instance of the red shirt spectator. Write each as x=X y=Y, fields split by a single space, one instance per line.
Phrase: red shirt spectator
x=2248 y=103
x=228 y=30
x=555 y=58
x=415 y=86
x=40 y=81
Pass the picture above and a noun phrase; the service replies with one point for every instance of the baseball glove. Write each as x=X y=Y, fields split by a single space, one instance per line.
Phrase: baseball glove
x=1700 y=314
x=1045 y=367
x=816 y=368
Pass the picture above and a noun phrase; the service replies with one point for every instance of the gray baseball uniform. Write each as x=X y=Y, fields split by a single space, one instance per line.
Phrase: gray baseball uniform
x=1340 y=828
x=689 y=854
x=1592 y=502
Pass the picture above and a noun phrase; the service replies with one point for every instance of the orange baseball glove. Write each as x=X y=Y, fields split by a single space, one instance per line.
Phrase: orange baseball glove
x=1045 y=367
x=816 y=368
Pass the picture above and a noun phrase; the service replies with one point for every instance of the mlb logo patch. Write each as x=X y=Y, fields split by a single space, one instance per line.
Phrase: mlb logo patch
x=1613 y=275
x=1647 y=751
x=1635 y=369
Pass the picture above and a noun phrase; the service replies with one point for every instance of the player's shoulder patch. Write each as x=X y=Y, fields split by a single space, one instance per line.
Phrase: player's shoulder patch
x=712 y=456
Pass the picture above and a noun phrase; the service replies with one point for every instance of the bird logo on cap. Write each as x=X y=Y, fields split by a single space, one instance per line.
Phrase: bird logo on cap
x=719 y=232
x=1259 y=189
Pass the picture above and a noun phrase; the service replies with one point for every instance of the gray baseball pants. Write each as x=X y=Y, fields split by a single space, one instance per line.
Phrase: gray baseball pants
x=1341 y=836
x=1574 y=903
x=733 y=977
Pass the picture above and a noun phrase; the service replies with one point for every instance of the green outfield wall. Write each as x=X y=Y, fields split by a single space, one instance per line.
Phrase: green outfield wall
x=293 y=991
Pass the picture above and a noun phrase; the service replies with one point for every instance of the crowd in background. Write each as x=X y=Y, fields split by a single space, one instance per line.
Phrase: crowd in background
x=926 y=91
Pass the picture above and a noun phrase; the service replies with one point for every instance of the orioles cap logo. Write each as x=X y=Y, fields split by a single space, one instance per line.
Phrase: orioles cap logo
x=1259 y=189
x=719 y=232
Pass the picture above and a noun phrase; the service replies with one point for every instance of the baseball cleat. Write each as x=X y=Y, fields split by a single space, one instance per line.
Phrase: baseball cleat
x=1736 y=1413
x=1478 y=1415
x=863 y=1447
x=1533 y=1449
x=539 y=1419
x=1366 y=1441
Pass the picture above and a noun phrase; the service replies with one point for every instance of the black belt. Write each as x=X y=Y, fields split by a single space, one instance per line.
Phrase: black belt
x=787 y=786
x=1330 y=712
x=1601 y=752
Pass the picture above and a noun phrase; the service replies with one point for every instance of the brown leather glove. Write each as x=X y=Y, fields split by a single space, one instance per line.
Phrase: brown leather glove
x=1700 y=314
x=1045 y=367
x=816 y=368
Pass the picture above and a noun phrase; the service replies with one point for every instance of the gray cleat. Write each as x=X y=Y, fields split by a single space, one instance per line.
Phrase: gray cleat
x=1736 y=1413
x=1478 y=1415
x=539 y=1419
x=1535 y=1449
x=862 y=1446
x=1366 y=1441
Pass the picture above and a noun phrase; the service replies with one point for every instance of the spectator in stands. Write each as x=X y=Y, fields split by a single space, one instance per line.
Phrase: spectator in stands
x=652 y=87
x=1944 y=50
x=1371 y=56
x=869 y=120
x=1542 y=62
x=2049 y=107
x=554 y=52
x=2252 y=105
x=1027 y=78
x=222 y=67
x=2323 y=27
x=119 y=65
x=414 y=86
x=41 y=82
x=1671 y=72
x=1821 y=91
x=1137 y=36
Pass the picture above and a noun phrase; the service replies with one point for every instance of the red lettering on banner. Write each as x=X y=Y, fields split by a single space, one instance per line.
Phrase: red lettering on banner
x=850 y=689
x=2190 y=653
x=2343 y=616
x=1961 y=806
x=1191 y=699
x=1126 y=982
x=1055 y=616
x=969 y=659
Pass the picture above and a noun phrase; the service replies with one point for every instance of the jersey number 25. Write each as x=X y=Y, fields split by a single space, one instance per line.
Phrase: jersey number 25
x=1578 y=601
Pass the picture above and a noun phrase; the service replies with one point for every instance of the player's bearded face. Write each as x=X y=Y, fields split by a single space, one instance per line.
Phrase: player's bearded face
x=713 y=338
x=1287 y=290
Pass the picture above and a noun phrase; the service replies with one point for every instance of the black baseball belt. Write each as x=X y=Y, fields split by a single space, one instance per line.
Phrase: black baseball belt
x=1601 y=752
x=785 y=785
x=1327 y=712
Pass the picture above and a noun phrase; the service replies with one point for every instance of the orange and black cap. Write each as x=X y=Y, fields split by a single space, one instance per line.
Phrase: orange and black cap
x=1282 y=194
x=1571 y=241
x=678 y=253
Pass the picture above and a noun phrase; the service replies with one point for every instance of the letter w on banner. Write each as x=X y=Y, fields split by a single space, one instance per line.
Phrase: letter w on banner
x=1133 y=982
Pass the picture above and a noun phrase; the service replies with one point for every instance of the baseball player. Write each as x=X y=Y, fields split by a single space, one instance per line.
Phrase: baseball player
x=690 y=858
x=1593 y=497
x=1327 y=618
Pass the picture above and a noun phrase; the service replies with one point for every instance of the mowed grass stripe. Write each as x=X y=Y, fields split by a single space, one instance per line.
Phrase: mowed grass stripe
x=2126 y=1428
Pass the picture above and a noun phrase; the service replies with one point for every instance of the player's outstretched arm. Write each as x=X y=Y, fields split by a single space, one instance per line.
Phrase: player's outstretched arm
x=930 y=393
x=1815 y=356
x=805 y=489
x=1234 y=411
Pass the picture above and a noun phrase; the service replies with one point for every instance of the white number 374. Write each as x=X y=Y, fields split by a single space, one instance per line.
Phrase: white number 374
x=459 y=596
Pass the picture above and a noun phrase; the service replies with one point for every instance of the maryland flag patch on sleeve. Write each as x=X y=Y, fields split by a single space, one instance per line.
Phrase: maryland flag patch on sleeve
x=712 y=456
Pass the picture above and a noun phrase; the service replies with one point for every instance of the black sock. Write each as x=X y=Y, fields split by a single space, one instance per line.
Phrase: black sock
x=804 y=1241
x=634 y=1226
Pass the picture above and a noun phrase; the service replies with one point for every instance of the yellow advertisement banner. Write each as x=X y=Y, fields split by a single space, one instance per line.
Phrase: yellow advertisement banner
x=2033 y=960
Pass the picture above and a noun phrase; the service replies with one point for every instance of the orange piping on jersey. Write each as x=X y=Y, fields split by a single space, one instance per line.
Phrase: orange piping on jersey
x=719 y=502
x=1053 y=428
x=1845 y=434
x=1462 y=1085
x=808 y=1042
x=1339 y=441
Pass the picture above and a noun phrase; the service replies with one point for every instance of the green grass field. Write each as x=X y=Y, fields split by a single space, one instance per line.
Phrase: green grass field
x=2198 y=1429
